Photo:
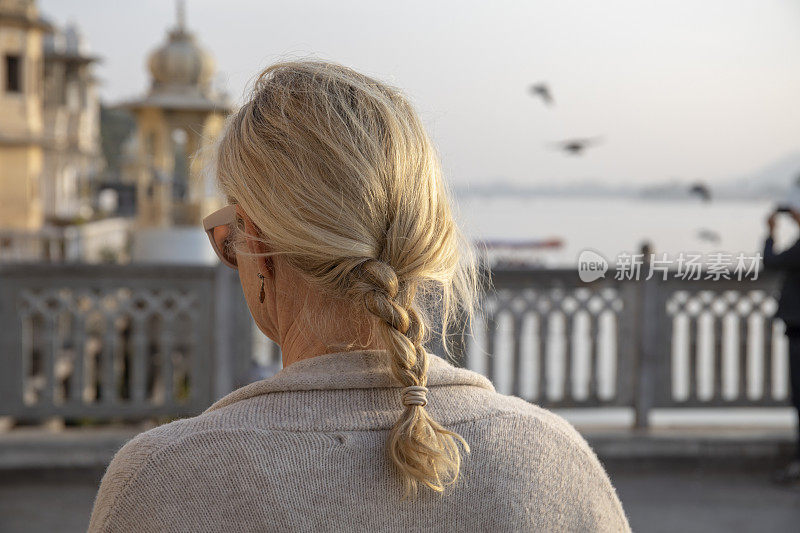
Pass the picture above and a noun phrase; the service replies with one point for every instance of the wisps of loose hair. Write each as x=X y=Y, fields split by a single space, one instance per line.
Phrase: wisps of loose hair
x=338 y=170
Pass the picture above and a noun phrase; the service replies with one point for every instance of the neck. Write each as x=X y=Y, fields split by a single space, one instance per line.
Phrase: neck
x=305 y=337
x=297 y=346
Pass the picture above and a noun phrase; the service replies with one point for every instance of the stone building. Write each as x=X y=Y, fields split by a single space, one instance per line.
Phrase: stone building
x=49 y=119
x=50 y=152
x=22 y=34
x=49 y=141
x=177 y=121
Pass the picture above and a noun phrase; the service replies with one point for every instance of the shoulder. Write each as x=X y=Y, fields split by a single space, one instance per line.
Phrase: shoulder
x=124 y=470
x=549 y=429
x=126 y=485
x=545 y=456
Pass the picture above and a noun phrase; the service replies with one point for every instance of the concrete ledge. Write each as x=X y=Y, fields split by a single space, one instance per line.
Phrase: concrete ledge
x=29 y=448
x=69 y=448
x=695 y=443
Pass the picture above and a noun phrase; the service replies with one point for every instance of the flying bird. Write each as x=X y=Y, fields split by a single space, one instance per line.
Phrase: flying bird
x=701 y=190
x=576 y=146
x=708 y=235
x=542 y=90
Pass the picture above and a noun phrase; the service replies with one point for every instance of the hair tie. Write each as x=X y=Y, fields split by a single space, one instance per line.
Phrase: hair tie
x=415 y=395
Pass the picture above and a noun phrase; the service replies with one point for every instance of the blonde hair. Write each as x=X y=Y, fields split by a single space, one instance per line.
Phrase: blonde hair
x=336 y=169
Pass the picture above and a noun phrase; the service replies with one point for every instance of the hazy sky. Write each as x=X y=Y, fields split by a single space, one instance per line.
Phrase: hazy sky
x=681 y=89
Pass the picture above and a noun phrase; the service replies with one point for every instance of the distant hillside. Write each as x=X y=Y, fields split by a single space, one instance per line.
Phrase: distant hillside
x=507 y=188
x=772 y=181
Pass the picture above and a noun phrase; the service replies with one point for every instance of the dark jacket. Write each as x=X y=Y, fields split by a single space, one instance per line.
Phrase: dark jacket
x=788 y=261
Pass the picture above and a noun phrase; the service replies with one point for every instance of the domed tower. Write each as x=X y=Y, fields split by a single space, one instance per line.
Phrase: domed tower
x=176 y=121
x=181 y=65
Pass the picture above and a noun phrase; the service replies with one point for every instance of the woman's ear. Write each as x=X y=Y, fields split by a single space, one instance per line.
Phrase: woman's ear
x=255 y=246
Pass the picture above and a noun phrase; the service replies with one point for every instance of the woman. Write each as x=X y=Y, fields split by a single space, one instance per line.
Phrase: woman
x=341 y=229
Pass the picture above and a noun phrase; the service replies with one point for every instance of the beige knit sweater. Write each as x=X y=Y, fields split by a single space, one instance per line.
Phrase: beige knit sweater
x=306 y=451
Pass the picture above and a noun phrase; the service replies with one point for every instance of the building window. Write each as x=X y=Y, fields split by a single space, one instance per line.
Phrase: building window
x=13 y=74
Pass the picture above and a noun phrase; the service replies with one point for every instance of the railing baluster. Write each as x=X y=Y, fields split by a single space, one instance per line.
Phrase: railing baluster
x=741 y=393
x=108 y=385
x=718 y=330
x=592 y=394
x=27 y=346
x=192 y=365
x=694 y=383
x=76 y=381
x=569 y=353
x=140 y=360
x=767 y=359
x=491 y=331
x=544 y=331
x=516 y=353
x=167 y=345
x=620 y=375
x=49 y=355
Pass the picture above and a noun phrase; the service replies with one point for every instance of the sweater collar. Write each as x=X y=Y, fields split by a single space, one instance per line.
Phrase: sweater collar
x=362 y=369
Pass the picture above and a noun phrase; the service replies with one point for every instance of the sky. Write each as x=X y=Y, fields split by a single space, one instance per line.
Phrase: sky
x=676 y=89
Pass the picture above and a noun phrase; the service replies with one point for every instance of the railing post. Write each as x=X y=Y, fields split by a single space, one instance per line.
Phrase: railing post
x=11 y=378
x=649 y=318
x=233 y=335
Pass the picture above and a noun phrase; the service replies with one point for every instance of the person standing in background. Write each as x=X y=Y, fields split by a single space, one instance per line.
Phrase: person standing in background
x=788 y=262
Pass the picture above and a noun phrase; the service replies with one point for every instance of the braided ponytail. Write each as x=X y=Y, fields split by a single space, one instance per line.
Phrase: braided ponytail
x=337 y=169
x=423 y=450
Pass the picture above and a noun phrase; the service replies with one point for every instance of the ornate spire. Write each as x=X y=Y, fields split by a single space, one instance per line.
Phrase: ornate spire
x=180 y=9
x=181 y=62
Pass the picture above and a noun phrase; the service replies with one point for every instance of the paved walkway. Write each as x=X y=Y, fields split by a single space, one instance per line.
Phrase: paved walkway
x=688 y=497
x=663 y=497
x=37 y=501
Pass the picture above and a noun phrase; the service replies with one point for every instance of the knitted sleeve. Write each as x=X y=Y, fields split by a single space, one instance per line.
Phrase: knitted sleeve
x=125 y=467
x=595 y=505
x=567 y=485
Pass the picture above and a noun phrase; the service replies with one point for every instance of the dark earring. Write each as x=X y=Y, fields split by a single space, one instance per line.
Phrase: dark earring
x=262 y=294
